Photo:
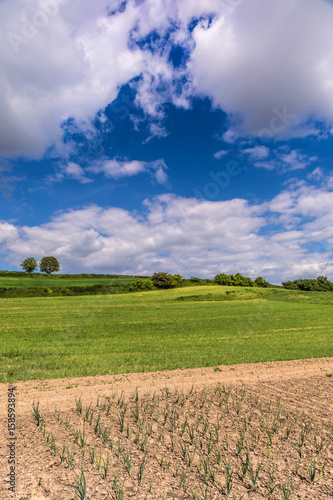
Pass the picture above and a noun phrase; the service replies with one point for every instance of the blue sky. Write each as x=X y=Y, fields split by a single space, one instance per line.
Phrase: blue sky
x=181 y=136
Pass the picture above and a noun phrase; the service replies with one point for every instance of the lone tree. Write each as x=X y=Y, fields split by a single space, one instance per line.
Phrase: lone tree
x=29 y=265
x=49 y=265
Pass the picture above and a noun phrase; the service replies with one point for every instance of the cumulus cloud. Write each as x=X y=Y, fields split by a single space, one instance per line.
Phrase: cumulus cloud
x=282 y=159
x=42 y=85
x=71 y=170
x=268 y=74
x=188 y=236
x=117 y=169
x=257 y=152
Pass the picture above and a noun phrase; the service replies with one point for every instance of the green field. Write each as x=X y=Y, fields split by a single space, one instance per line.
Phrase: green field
x=55 y=281
x=168 y=329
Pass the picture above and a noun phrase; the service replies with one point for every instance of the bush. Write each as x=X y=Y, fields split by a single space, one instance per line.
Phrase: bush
x=321 y=284
x=261 y=282
x=223 y=279
x=141 y=285
x=194 y=279
x=231 y=280
x=166 y=280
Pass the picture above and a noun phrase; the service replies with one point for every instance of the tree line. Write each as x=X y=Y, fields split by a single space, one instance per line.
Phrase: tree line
x=320 y=284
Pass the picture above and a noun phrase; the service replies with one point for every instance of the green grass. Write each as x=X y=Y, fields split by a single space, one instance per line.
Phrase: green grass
x=96 y=335
x=53 y=282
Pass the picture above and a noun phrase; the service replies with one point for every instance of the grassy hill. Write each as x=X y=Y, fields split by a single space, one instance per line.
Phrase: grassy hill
x=167 y=329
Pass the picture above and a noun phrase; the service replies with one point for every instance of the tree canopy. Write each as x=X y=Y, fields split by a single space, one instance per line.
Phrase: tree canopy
x=49 y=265
x=29 y=264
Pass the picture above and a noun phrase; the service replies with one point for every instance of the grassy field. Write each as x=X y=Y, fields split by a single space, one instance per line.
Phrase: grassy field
x=53 y=281
x=179 y=328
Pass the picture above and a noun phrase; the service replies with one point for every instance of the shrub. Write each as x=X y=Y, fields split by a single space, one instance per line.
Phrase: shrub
x=261 y=282
x=321 y=284
x=166 y=280
x=231 y=280
x=141 y=285
x=194 y=279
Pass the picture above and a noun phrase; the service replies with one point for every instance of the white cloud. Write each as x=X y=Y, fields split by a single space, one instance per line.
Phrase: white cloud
x=267 y=72
x=188 y=236
x=282 y=159
x=117 y=169
x=257 y=152
x=71 y=170
x=316 y=174
x=71 y=67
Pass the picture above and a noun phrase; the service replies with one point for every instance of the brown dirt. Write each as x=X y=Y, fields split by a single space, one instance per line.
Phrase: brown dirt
x=302 y=386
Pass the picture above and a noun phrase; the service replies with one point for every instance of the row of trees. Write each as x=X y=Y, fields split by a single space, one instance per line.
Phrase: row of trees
x=166 y=280
x=47 y=265
x=239 y=280
x=158 y=280
x=320 y=284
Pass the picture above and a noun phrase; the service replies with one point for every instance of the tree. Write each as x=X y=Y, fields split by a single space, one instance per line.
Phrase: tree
x=223 y=279
x=49 y=265
x=29 y=265
x=166 y=280
x=260 y=281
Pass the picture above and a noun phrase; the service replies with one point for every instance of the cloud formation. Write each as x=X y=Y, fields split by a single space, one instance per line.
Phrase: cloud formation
x=272 y=72
x=189 y=236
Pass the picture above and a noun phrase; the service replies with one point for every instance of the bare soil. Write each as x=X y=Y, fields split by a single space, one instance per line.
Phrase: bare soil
x=179 y=434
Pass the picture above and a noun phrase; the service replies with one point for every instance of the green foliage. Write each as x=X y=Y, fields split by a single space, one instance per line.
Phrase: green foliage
x=141 y=285
x=321 y=284
x=61 y=291
x=222 y=279
x=261 y=282
x=194 y=279
x=29 y=264
x=166 y=280
x=231 y=280
x=49 y=265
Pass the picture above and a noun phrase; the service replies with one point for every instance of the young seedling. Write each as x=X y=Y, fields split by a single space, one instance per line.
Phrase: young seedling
x=118 y=488
x=87 y=413
x=286 y=489
x=229 y=476
x=312 y=470
x=92 y=453
x=70 y=459
x=105 y=468
x=78 y=403
x=245 y=466
x=270 y=484
x=67 y=422
x=81 y=486
x=254 y=473
x=37 y=414
x=142 y=468
x=127 y=456
x=63 y=454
